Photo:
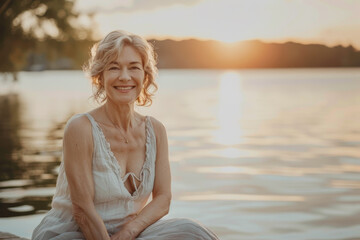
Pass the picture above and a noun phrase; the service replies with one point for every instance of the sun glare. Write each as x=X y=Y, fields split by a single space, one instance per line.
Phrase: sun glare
x=233 y=20
x=229 y=111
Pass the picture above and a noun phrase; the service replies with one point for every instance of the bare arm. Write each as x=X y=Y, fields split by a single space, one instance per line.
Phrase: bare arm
x=159 y=206
x=78 y=148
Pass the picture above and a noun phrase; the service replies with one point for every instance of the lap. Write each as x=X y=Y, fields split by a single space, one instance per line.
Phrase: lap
x=176 y=228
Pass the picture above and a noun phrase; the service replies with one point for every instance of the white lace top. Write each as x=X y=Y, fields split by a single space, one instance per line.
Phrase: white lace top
x=113 y=202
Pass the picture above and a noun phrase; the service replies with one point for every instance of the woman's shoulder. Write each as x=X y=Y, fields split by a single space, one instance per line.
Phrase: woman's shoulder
x=78 y=125
x=159 y=127
x=156 y=123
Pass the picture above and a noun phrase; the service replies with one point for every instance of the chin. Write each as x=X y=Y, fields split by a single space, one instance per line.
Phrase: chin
x=125 y=101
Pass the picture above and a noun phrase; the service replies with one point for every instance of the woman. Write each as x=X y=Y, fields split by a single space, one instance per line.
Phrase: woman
x=114 y=158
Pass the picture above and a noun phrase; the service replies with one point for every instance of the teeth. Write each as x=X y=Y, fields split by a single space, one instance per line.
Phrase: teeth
x=124 y=88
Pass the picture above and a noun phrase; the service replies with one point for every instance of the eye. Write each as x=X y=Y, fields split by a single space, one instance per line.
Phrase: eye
x=113 y=68
x=135 y=68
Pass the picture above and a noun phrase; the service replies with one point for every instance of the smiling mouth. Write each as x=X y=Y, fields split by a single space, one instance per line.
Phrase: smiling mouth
x=124 y=88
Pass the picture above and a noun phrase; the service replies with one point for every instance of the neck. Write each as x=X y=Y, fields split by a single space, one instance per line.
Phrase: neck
x=121 y=116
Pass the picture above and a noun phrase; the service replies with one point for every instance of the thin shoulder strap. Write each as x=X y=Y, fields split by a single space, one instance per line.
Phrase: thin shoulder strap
x=95 y=131
x=150 y=127
x=91 y=119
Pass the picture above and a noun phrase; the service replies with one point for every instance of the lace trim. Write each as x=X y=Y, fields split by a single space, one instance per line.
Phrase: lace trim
x=115 y=165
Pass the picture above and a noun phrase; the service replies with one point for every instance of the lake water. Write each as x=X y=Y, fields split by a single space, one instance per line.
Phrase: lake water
x=255 y=154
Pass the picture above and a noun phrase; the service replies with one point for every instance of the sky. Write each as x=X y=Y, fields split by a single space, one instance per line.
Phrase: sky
x=330 y=22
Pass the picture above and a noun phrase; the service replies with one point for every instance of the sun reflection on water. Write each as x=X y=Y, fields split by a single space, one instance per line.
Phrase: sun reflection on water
x=229 y=113
x=230 y=152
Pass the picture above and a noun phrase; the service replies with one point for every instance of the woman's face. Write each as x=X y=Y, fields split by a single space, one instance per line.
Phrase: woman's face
x=124 y=77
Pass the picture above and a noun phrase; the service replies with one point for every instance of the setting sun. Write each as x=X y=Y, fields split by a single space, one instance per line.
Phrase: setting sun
x=328 y=22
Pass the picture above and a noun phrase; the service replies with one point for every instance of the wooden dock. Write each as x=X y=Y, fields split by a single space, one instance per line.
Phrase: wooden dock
x=9 y=236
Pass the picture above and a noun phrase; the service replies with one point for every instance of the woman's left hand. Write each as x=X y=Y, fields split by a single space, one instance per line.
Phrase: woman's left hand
x=127 y=232
x=123 y=235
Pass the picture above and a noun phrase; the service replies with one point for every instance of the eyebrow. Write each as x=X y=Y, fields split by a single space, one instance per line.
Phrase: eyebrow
x=134 y=62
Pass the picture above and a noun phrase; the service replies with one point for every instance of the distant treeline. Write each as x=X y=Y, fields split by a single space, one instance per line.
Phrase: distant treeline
x=205 y=54
x=252 y=54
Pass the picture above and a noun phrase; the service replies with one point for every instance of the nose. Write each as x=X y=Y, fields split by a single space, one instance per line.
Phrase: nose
x=124 y=75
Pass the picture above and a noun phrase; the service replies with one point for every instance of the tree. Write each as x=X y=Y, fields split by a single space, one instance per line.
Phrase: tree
x=24 y=23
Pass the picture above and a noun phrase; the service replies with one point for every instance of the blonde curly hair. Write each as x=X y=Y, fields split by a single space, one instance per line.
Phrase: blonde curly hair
x=108 y=49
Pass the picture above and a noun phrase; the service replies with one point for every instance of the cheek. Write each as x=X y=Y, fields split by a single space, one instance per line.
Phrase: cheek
x=108 y=78
x=143 y=77
x=109 y=75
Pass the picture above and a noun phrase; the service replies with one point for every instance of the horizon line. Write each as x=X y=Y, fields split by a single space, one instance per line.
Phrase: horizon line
x=268 y=41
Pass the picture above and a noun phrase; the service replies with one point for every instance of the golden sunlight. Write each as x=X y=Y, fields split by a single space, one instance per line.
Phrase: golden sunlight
x=229 y=113
x=233 y=20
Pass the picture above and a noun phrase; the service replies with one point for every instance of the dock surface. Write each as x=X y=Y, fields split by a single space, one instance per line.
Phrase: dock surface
x=9 y=236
